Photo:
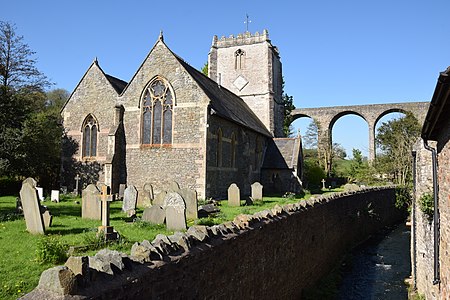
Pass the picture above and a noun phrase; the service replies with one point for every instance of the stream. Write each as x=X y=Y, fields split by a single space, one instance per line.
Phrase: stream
x=377 y=268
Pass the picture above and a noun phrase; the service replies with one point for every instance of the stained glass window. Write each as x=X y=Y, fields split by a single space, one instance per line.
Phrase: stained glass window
x=157 y=113
x=90 y=129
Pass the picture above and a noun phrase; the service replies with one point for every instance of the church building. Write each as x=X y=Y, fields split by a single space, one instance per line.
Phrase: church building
x=170 y=122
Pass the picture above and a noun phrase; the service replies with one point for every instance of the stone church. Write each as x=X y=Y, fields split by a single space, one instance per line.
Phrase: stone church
x=170 y=122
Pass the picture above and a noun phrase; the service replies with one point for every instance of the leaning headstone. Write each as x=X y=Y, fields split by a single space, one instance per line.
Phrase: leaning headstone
x=54 y=197
x=40 y=193
x=234 y=195
x=47 y=217
x=31 y=208
x=173 y=187
x=129 y=199
x=91 y=206
x=122 y=188
x=154 y=214
x=257 y=191
x=207 y=209
x=145 y=196
x=175 y=209
x=159 y=198
x=190 y=198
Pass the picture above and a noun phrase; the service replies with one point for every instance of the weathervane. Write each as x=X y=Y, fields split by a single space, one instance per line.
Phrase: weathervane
x=246 y=22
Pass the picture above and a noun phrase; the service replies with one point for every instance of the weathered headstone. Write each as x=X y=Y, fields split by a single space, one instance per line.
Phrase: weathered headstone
x=175 y=209
x=257 y=191
x=91 y=206
x=234 y=195
x=54 y=197
x=122 y=188
x=129 y=200
x=190 y=198
x=31 y=181
x=47 y=217
x=145 y=196
x=206 y=210
x=159 y=198
x=154 y=214
x=40 y=193
x=31 y=208
x=174 y=187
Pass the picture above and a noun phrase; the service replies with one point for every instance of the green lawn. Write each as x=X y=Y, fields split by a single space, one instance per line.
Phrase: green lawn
x=19 y=267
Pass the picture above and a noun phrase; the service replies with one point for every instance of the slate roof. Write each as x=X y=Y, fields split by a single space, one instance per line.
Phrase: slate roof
x=116 y=83
x=225 y=103
x=437 y=115
x=283 y=153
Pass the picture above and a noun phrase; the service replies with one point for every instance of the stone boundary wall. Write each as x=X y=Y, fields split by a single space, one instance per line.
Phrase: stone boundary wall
x=272 y=254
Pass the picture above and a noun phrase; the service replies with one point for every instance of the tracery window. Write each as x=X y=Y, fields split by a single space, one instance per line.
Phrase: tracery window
x=239 y=57
x=157 y=112
x=90 y=129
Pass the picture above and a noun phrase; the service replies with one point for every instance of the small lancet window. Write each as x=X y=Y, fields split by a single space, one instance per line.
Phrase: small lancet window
x=219 y=147
x=90 y=129
x=157 y=113
x=233 y=150
x=239 y=57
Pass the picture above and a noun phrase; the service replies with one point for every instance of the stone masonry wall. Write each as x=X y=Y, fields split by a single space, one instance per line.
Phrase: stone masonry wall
x=247 y=163
x=422 y=253
x=444 y=209
x=273 y=254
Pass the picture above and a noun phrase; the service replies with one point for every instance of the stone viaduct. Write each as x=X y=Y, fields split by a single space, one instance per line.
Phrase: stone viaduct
x=371 y=113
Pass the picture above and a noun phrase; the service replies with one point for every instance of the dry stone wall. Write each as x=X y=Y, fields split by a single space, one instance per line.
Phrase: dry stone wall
x=272 y=254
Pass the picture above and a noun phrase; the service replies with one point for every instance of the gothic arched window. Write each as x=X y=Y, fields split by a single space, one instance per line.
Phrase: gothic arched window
x=233 y=150
x=90 y=129
x=239 y=56
x=219 y=147
x=157 y=112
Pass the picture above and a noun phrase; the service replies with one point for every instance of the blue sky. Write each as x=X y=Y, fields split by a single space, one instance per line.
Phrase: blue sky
x=333 y=52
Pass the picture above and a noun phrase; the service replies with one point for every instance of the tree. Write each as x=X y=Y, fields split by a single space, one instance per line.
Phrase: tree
x=288 y=104
x=311 y=135
x=17 y=66
x=205 y=69
x=395 y=139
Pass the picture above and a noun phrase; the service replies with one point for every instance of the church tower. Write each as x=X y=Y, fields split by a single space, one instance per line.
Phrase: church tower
x=249 y=66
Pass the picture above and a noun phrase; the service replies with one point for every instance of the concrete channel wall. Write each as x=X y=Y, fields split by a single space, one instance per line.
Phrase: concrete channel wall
x=273 y=254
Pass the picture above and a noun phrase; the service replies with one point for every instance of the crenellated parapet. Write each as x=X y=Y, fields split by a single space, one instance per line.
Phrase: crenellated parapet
x=246 y=38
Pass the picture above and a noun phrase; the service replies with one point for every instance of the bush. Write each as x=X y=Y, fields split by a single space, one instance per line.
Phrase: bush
x=51 y=250
x=426 y=204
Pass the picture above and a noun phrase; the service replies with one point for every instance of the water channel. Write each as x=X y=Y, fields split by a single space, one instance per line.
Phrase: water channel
x=378 y=267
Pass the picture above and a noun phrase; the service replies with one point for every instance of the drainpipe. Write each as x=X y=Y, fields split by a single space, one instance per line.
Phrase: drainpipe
x=413 y=217
x=436 y=279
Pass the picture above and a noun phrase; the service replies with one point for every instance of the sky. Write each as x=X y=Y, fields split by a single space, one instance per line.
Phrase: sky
x=333 y=52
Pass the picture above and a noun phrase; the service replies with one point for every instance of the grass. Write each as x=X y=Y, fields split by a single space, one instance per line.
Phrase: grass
x=20 y=268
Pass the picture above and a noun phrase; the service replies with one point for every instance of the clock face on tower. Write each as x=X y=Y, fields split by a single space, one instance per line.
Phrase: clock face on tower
x=240 y=82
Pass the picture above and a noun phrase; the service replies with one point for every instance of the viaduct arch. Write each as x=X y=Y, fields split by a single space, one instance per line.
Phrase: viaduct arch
x=371 y=113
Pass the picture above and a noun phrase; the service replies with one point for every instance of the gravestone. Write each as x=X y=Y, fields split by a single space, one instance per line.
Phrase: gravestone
x=106 y=229
x=54 y=197
x=154 y=214
x=91 y=206
x=40 y=193
x=234 y=195
x=257 y=191
x=174 y=187
x=47 y=217
x=351 y=187
x=77 y=185
x=122 y=188
x=159 y=198
x=175 y=209
x=31 y=208
x=31 y=181
x=145 y=196
x=190 y=198
x=64 y=190
x=129 y=200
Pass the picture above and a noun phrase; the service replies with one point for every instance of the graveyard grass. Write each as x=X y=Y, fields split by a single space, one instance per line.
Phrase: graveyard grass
x=20 y=268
